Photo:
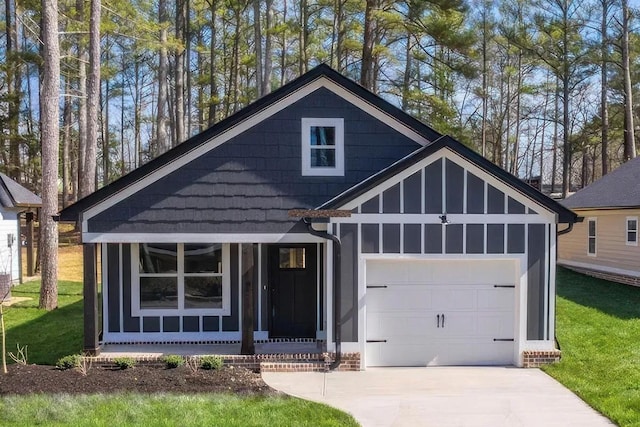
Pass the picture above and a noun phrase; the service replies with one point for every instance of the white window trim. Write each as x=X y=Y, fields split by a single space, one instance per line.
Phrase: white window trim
x=135 y=288
x=626 y=234
x=338 y=124
x=595 y=237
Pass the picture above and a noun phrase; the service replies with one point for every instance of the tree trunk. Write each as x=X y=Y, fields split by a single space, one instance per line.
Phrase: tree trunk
x=213 y=99
x=66 y=147
x=13 y=86
x=87 y=184
x=162 y=142
x=49 y=116
x=485 y=91
x=629 y=138
x=604 y=88
x=181 y=22
x=257 y=35
x=556 y=126
x=366 y=72
x=268 y=59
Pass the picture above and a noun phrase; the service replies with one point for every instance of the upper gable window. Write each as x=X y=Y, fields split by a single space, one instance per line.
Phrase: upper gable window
x=322 y=147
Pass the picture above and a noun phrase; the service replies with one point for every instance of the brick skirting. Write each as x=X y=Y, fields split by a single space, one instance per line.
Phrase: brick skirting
x=283 y=362
x=535 y=359
x=612 y=277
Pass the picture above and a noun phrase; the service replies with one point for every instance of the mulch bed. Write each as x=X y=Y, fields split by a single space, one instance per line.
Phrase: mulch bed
x=26 y=379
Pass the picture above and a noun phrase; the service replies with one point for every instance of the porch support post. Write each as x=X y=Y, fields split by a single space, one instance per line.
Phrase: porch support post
x=248 y=268
x=90 y=292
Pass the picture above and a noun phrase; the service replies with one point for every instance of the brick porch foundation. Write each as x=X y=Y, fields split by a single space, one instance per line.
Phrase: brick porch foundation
x=535 y=359
x=283 y=362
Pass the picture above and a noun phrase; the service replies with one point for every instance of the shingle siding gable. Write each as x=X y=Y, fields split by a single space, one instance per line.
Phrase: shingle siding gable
x=249 y=183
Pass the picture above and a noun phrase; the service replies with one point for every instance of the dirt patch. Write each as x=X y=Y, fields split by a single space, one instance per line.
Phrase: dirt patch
x=26 y=379
x=15 y=300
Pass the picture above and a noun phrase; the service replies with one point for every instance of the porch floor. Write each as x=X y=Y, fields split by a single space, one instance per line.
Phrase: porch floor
x=110 y=351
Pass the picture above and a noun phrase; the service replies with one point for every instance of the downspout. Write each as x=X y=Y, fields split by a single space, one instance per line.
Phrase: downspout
x=560 y=233
x=336 y=286
x=566 y=230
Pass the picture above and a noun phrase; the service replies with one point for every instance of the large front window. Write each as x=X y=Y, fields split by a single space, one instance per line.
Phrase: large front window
x=177 y=278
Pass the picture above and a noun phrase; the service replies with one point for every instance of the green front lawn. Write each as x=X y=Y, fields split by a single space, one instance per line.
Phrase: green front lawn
x=599 y=332
x=167 y=410
x=48 y=335
x=51 y=335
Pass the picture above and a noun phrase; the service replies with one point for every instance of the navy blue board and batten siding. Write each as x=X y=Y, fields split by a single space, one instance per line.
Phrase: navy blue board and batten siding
x=492 y=239
x=248 y=184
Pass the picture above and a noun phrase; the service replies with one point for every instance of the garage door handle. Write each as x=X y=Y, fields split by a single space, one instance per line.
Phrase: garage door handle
x=443 y=320
x=503 y=339
x=438 y=317
x=376 y=286
x=376 y=340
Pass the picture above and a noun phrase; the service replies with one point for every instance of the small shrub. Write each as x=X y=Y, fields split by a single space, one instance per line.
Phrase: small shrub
x=85 y=365
x=211 y=362
x=124 y=362
x=69 y=362
x=173 y=361
x=192 y=363
x=21 y=355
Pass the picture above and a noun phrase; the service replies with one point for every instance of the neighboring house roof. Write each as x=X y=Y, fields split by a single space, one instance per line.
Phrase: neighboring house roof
x=617 y=189
x=426 y=133
x=564 y=215
x=14 y=195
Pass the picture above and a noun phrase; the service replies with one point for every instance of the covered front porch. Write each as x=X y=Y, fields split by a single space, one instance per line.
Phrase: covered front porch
x=271 y=294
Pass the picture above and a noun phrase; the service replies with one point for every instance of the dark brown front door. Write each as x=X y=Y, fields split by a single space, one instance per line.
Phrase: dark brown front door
x=293 y=287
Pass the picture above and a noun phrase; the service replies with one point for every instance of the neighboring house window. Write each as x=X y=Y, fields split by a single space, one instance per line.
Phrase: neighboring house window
x=632 y=230
x=177 y=278
x=322 y=147
x=591 y=250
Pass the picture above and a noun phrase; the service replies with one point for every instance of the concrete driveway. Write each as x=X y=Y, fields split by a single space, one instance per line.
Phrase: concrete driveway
x=451 y=396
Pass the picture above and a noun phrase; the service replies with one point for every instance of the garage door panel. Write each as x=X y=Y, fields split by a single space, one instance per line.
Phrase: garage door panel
x=407 y=317
x=418 y=326
x=495 y=299
x=399 y=298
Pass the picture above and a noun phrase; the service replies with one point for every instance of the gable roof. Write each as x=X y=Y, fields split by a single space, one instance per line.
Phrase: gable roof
x=617 y=189
x=14 y=195
x=423 y=132
x=564 y=215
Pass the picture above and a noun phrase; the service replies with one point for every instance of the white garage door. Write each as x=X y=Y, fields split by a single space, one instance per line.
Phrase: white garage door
x=444 y=312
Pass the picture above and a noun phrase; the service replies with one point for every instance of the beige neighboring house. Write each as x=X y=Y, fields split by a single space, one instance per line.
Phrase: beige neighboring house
x=605 y=244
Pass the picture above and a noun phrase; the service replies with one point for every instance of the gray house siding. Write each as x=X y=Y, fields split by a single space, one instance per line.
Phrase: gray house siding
x=349 y=282
x=248 y=184
x=535 y=282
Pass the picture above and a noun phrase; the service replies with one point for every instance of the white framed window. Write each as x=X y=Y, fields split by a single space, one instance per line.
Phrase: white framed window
x=322 y=147
x=631 y=231
x=591 y=236
x=173 y=279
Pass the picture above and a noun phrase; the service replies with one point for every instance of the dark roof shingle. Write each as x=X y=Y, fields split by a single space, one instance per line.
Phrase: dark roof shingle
x=618 y=189
x=14 y=195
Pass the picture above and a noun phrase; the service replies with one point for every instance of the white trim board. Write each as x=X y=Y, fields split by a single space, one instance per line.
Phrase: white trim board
x=435 y=219
x=246 y=124
x=201 y=238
